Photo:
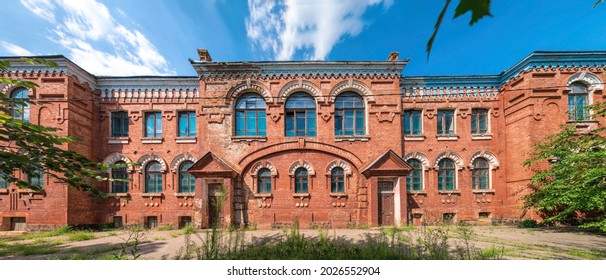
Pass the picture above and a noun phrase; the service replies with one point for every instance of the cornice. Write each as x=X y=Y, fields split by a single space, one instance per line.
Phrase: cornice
x=291 y=69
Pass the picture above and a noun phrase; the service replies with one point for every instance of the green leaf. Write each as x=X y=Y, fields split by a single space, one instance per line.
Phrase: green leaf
x=436 y=28
x=478 y=9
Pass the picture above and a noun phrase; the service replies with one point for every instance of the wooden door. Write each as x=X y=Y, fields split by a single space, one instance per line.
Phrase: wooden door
x=386 y=203
x=215 y=214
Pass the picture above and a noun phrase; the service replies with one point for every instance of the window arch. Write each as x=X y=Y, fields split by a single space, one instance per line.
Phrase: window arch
x=300 y=112
x=250 y=115
x=349 y=114
x=153 y=177
x=187 y=182
x=414 y=180
x=119 y=173
x=20 y=111
x=446 y=175
x=578 y=98
x=337 y=180
x=301 y=180
x=264 y=180
x=480 y=174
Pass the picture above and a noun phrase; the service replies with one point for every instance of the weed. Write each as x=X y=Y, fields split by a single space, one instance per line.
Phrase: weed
x=136 y=234
x=189 y=229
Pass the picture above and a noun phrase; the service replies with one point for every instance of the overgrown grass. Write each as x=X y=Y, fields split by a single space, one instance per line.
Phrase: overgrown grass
x=80 y=236
x=36 y=235
x=93 y=254
x=395 y=243
x=587 y=255
x=165 y=228
x=37 y=247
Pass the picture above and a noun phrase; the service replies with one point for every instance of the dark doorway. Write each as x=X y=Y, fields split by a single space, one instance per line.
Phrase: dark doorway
x=18 y=223
x=386 y=203
x=215 y=214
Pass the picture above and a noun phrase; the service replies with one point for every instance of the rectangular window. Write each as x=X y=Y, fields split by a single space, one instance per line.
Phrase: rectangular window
x=184 y=221
x=119 y=124
x=412 y=122
x=3 y=183
x=479 y=121
x=118 y=221
x=446 y=123
x=151 y=222
x=153 y=124
x=187 y=124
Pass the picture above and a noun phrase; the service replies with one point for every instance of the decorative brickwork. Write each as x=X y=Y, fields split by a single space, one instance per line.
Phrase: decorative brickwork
x=520 y=106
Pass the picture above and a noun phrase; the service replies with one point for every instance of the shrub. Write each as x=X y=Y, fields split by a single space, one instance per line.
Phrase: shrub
x=528 y=223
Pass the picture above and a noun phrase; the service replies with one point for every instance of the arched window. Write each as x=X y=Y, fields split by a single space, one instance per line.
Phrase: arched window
x=479 y=174
x=250 y=115
x=187 y=182
x=446 y=175
x=20 y=111
x=301 y=179
x=577 y=100
x=36 y=180
x=300 y=115
x=3 y=182
x=414 y=180
x=264 y=181
x=153 y=177
x=119 y=173
x=337 y=180
x=349 y=114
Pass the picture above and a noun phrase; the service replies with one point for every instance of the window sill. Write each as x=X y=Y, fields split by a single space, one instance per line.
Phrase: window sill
x=118 y=195
x=352 y=138
x=249 y=138
x=188 y=139
x=583 y=123
x=448 y=137
x=185 y=194
x=450 y=192
x=3 y=190
x=417 y=192
x=118 y=140
x=151 y=194
x=483 y=191
x=263 y=195
x=338 y=194
x=152 y=140
x=481 y=136
x=300 y=195
x=419 y=137
x=30 y=191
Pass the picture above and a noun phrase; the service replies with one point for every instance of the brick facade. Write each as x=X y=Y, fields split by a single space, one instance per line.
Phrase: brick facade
x=519 y=107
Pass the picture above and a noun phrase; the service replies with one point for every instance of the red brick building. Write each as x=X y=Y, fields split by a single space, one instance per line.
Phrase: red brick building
x=330 y=143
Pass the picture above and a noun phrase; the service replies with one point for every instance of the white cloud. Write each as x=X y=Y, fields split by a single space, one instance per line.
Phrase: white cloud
x=14 y=49
x=84 y=26
x=281 y=27
x=42 y=8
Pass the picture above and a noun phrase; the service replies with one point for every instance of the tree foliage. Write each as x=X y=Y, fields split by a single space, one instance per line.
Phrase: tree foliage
x=572 y=187
x=31 y=148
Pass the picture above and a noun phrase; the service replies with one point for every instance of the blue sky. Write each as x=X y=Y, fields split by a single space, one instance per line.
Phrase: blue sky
x=143 y=37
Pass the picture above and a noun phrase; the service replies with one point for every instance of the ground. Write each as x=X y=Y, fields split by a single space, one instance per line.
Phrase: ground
x=508 y=242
